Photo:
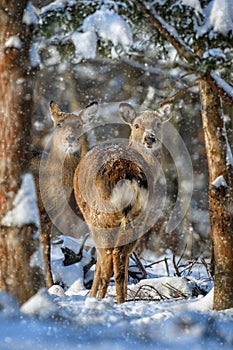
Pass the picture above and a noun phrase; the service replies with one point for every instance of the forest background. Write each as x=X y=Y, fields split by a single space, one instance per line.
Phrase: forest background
x=114 y=51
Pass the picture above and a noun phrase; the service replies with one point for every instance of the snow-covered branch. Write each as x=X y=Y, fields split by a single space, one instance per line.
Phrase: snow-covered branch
x=224 y=90
x=170 y=34
x=222 y=87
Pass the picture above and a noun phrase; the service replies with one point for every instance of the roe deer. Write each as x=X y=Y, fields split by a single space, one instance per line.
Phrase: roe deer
x=113 y=187
x=54 y=171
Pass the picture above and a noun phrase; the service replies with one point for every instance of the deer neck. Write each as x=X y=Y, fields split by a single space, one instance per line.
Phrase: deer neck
x=63 y=165
x=71 y=161
x=69 y=165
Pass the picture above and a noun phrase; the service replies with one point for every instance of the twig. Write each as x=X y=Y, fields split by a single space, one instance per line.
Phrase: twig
x=144 y=286
x=175 y=265
x=188 y=267
x=167 y=266
x=165 y=260
x=177 y=94
x=183 y=76
x=207 y=268
x=155 y=262
x=174 y=289
x=140 y=265
x=182 y=255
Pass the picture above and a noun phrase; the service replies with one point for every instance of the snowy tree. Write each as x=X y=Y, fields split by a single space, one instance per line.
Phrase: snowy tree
x=18 y=210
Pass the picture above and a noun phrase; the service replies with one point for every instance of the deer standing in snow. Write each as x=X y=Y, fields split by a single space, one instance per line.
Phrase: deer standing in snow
x=113 y=187
x=53 y=171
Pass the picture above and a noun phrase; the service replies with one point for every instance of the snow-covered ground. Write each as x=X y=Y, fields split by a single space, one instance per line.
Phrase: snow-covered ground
x=70 y=319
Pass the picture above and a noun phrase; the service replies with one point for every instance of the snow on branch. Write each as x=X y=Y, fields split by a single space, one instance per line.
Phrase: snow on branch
x=221 y=16
x=110 y=27
x=219 y=85
x=14 y=42
x=106 y=25
x=222 y=87
x=170 y=34
x=217 y=14
x=219 y=182
x=57 y=5
x=29 y=16
x=229 y=156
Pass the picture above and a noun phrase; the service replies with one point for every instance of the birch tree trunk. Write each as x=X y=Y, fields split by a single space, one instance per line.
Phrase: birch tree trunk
x=220 y=195
x=18 y=242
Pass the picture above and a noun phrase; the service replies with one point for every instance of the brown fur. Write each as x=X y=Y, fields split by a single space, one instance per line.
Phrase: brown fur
x=54 y=170
x=112 y=185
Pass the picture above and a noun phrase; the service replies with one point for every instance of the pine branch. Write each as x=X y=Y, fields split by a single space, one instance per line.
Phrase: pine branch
x=223 y=90
x=170 y=34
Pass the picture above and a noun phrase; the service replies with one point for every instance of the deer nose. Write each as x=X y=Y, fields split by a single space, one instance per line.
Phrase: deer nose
x=149 y=139
x=70 y=138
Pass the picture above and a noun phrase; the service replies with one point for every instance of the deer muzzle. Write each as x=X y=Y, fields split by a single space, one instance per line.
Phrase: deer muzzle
x=71 y=138
x=149 y=139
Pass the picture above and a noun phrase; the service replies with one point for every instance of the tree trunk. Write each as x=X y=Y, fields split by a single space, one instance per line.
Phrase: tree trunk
x=17 y=242
x=220 y=195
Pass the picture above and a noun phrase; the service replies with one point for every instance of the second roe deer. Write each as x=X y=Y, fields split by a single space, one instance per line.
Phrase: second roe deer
x=53 y=171
x=113 y=187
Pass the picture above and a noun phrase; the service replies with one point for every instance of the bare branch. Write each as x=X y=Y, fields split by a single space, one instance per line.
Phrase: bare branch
x=140 y=265
x=174 y=289
x=147 y=288
x=175 y=266
x=177 y=94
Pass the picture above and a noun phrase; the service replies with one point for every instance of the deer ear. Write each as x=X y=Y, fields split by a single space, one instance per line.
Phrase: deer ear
x=165 y=112
x=127 y=113
x=55 y=112
x=88 y=113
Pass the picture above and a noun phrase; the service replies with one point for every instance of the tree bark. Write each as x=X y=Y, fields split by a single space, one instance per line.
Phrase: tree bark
x=17 y=244
x=220 y=197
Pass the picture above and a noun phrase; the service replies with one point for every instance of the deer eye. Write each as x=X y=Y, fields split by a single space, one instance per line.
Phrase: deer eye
x=59 y=124
x=137 y=126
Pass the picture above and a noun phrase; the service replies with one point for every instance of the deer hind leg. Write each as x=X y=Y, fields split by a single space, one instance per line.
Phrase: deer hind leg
x=126 y=277
x=105 y=268
x=120 y=263
x=96 y=281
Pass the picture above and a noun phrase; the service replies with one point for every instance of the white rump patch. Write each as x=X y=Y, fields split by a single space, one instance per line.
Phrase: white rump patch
x=128 y=193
